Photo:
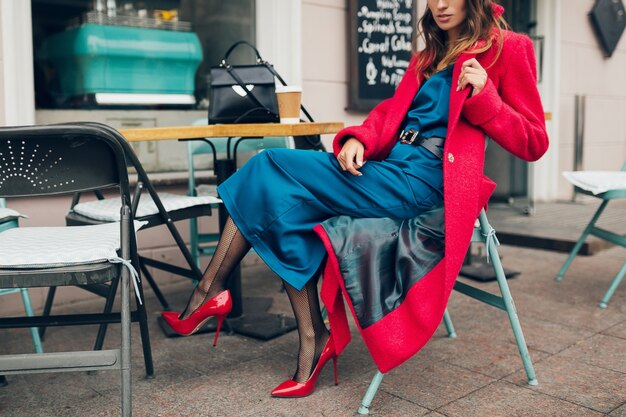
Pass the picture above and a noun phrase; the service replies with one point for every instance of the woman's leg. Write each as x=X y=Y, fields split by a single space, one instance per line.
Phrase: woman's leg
x=311 y=329
x=312 y=332
x=230 y=250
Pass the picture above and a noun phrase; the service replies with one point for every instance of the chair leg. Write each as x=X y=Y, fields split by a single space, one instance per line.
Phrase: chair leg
x=108 y=307
x=512 y=313
x=28 y=308
x=155 y=288
x=449 y=326
x=616 y=281
x=125 y=322
x=581 y=241
x=47 y=309
x=145 y=334
x=371 y=393
x=175 y=234
x=193 y=240
x=143 y=327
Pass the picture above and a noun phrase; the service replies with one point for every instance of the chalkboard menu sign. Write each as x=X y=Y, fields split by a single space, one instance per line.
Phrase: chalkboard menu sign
x=381 y=33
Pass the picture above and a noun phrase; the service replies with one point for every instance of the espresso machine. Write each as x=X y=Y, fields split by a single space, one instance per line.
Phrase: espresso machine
x=121 y=56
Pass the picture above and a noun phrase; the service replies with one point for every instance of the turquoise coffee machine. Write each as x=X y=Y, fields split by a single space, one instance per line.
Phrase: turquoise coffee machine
x=109 y=64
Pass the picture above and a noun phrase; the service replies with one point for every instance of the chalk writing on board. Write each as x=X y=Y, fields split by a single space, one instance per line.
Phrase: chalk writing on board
x=383 y=35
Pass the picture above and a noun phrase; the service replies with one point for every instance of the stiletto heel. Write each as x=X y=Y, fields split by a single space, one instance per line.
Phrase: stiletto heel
x=220 y=320
x=218 y=307
x=293 y=389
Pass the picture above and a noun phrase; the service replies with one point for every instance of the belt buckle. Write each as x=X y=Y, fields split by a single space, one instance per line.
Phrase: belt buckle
x=408 y=136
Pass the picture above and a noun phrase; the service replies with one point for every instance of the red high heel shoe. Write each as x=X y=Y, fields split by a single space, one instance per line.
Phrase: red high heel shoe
x=292 y=389
x=218 y=306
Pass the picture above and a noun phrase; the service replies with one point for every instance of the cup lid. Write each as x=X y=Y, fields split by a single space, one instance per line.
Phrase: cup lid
x=288 y=89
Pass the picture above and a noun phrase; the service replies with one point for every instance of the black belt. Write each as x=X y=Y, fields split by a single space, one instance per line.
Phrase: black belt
x=412 y=137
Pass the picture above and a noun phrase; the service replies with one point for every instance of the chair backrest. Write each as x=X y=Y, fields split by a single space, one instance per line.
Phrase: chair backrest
x=58 y=159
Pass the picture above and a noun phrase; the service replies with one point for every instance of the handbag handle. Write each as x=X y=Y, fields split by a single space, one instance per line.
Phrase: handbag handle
x=239 y=81
x=224 y=62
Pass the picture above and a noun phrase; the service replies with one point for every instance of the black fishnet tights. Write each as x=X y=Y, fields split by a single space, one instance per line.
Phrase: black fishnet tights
x=230 y=250
x=311 y=329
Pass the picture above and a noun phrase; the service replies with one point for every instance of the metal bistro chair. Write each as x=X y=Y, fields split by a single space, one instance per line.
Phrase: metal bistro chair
x=484 y=233
x=153 y=210
x=157 y=209
x=203 y=244
x=9 y=220
x=607 y=186
x=60 y=159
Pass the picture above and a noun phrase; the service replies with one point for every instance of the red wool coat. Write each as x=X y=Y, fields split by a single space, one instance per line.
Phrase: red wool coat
x=509 y=111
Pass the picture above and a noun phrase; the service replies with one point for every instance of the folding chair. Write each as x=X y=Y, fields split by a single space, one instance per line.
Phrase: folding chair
x=157 y=209
x=203 y=244
x=9 y=220
x=109 y=212
x=153 y=210
x=484 y=233
x=607 y=186
x=59 y=159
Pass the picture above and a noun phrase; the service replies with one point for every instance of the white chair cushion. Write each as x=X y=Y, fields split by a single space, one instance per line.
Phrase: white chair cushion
x=6 y=213
x=38 y=247
x=207 y=189
x=108 y=210
x=597 y=182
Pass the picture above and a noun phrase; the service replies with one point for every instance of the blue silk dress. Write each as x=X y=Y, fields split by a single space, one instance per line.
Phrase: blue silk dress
x=279 y=195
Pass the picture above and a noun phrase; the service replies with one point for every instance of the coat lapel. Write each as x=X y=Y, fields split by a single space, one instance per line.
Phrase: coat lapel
x=410 y=90
x=405 y=94
x=461 y=174
x=457 y=97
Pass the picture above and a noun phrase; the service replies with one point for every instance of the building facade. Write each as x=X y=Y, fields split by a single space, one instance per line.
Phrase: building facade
x=290 y=36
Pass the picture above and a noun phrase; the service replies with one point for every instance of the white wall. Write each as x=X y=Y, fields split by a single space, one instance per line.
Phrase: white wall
x=325 y=62
x=279 y=35
x=17 y=86
x=585 y=71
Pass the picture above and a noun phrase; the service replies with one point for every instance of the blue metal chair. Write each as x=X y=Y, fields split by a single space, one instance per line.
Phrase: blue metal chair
x=592 y=229
x=484 y=233
x=203 y=244
x=6 y=224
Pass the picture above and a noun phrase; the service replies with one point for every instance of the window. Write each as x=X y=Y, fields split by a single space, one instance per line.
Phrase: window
x=72 y=82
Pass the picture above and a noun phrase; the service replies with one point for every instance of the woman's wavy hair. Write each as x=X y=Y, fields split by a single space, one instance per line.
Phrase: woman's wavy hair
x=479 y=24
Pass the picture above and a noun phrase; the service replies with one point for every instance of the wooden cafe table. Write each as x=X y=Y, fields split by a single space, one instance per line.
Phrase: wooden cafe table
x=256 y=322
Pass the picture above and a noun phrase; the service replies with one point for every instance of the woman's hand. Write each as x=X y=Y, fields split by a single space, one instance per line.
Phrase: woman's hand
x=474 y=74
x=351 y=156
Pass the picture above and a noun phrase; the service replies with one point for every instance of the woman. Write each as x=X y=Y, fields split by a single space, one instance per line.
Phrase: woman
x=472 y=79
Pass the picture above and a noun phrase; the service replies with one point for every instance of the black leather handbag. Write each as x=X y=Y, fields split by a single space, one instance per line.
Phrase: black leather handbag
x=247 y=94
x=243 y=93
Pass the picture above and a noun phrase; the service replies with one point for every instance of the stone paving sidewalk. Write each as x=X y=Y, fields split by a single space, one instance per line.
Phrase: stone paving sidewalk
x=578 y=349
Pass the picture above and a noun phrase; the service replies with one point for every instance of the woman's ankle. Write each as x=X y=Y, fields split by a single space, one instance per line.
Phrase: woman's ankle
x=213 y=292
